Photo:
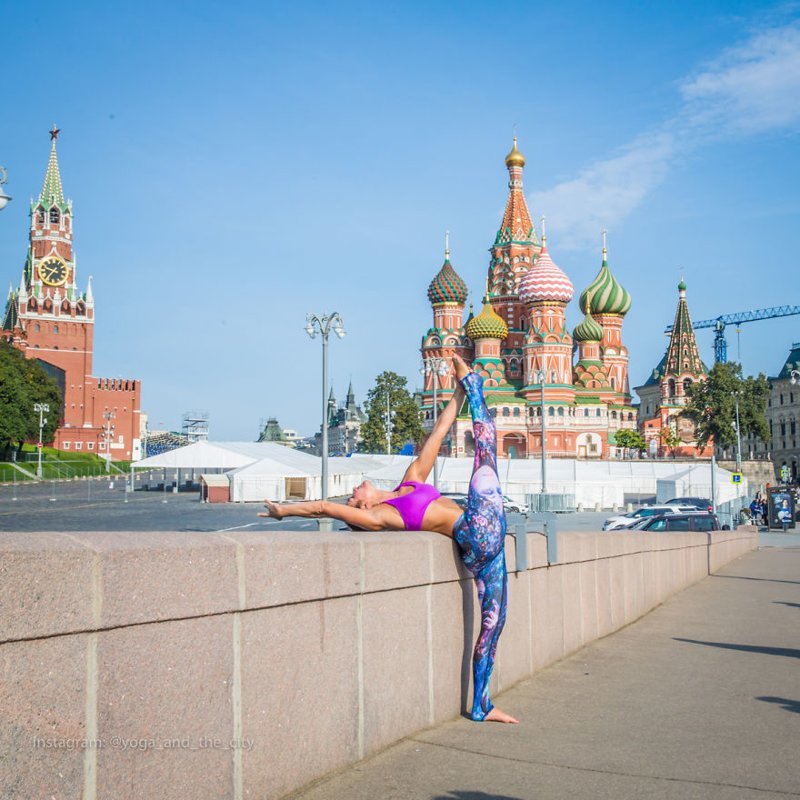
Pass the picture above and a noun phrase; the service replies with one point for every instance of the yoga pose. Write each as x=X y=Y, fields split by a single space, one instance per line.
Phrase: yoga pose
x=414 y=505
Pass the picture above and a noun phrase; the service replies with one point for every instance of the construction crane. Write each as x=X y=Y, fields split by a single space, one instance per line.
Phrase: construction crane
x=719 y=323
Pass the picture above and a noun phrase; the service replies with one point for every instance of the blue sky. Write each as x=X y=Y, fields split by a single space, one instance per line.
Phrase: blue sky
x=236 y=165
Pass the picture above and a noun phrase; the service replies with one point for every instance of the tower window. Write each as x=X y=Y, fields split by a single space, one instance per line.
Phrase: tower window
x=54 y=216
x=37 y=327
x=40 y=215
x=55 y=328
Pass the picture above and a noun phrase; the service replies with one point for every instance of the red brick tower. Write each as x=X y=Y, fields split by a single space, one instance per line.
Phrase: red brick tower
x=49 y=319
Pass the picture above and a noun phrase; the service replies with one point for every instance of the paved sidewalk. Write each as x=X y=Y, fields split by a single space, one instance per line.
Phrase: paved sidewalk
x=700 y=699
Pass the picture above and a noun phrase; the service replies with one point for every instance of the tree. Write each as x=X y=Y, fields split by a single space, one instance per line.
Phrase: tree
x=23 y=383
x=669 y=437
x=712 y=405
x=630 y=440
x=405 y=423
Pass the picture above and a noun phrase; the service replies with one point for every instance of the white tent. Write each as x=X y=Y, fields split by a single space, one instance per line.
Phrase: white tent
x=696 y=482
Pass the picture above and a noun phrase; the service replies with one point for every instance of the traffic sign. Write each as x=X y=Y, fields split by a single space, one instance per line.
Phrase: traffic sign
x=736 y=477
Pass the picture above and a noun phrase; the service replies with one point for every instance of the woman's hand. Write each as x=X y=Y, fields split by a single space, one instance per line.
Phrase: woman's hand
x=273 y=510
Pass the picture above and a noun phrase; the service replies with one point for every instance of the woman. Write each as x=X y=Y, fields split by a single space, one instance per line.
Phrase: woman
x=414 y=505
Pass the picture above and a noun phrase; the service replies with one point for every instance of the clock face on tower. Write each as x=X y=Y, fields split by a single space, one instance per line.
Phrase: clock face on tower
x=53 y=271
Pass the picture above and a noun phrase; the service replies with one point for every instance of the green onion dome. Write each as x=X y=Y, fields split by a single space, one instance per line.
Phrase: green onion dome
x=607 y=293
x=590 y=330
x=487 y=325
x=447 y=286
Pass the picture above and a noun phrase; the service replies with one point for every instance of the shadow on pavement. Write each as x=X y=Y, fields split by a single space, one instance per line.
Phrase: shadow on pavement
x=784 y=603
x=788 y=652
x=456 y=794
x=749 y=578
x=789 y=705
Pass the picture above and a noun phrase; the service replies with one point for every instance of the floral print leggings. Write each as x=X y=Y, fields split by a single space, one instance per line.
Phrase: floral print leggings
x=480 y=533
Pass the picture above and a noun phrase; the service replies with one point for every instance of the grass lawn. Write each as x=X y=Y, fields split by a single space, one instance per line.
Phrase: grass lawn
x=60 y=464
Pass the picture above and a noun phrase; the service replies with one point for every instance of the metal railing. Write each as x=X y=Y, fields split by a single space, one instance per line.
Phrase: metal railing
x=562 y=503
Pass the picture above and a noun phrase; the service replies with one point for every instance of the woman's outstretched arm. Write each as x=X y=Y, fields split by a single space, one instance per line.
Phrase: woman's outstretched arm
x=421 y=466
x=368 y=519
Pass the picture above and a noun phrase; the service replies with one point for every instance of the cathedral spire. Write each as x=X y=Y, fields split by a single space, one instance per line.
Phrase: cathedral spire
x=52 y=193
x=683 y=358
x=516 y=225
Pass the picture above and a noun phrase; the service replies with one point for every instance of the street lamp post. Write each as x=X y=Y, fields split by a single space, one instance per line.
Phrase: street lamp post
x=738 y=436
x=388 y=416
x=42 y=409
x=323 y=324
x=108 y=427
x=4 y=198
x=436 y=366
x=540 y=378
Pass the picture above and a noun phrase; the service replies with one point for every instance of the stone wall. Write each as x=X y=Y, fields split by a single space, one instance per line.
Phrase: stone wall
x=244 y=665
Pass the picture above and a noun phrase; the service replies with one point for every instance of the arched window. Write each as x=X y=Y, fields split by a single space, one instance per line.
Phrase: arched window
x=506 y=411
x=516 y=412
x=37 y=327
x=597 y=413
x=55 y=328
x=686 y=384
x=630 y=416
x=585 y=412
x=561 y=411
x=613 y=415
x=493 y=412
x=551 y=412
x=54 y=216
x=671 y=387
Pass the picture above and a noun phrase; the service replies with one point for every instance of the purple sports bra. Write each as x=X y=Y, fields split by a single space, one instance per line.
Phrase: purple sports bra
x=412 y=506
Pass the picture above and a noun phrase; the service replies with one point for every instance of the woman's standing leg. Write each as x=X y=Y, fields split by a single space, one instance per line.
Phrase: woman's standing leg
x=481 y=537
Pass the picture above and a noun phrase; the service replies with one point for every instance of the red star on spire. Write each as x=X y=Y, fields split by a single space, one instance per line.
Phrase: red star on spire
x=54 y=133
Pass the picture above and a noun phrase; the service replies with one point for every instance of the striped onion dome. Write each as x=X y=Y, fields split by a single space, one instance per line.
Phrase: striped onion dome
x=590 y=330
x=607 y=293
x=487 y=325
x=447 y=286
x=545 y=281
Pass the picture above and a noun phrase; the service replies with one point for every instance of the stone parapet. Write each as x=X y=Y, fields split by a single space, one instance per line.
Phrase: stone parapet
x=236 y=665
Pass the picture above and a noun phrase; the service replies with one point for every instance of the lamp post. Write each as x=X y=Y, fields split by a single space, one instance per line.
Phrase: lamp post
x=436 y=366
x=108 y=427
x=41 y=409
x=4 y=198
x=540 y=377
x=738 y=433
x=323 y=324
x=388 y=416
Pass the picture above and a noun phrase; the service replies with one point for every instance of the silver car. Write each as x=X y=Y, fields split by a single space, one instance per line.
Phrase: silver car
x=624 y=521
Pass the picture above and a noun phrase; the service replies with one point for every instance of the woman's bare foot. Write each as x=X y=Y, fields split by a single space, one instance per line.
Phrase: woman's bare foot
x=496 y=715
x=460 y=366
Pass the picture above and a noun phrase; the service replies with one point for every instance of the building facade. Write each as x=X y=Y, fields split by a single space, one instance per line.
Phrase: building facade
x=783 y=418
x=666 y=391
x=519 y=342
x=344 y=425
x=51 y=320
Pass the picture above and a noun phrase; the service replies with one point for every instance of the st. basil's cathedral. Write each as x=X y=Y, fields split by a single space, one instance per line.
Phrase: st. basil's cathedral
x=520 y=344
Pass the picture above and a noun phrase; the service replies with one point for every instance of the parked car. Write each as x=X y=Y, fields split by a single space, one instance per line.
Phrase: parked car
x=700 y=503
x=682 y=522
x=456 y=497
x=629 y=520
x=513 y=507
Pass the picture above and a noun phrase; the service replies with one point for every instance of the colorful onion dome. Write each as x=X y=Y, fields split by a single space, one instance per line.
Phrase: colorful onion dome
x=487 y=325
x=682 y=286
x=590 y=330
x=515 y=158
x=607 y=293
x=447 y=286
x=545 y=281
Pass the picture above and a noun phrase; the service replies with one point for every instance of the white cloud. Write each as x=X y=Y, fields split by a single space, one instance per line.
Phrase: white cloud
x=749 y=89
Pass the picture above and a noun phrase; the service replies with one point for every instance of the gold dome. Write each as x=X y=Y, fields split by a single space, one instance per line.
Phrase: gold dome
x=515 y=158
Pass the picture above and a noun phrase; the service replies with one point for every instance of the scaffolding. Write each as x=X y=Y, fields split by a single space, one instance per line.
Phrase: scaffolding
x=195 y=426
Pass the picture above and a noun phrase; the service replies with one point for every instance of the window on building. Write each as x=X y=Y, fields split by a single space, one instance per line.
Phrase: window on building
x=506 y=412
x=516 y=411
x=90 y=445
x=630 y=416
x=37 y=327
x=54 y=216
x=55 y=328
x=102 y=446
x=671 y=387
x=66 y=445
x=561 y=411
x=551 y=412
x=613 y=382
x=783 y=429
x=40 y=215
x=613 y=415
x=792 y=427
x=781 y=399
x=78 y=445
x=585 y=412
x=597 y=412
